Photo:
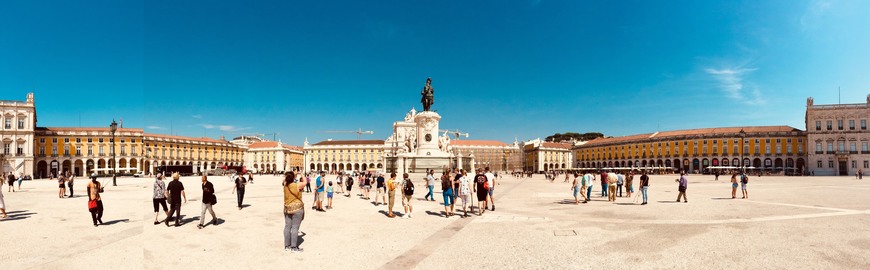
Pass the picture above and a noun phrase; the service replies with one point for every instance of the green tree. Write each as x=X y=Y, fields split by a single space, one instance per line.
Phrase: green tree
x=569 y=136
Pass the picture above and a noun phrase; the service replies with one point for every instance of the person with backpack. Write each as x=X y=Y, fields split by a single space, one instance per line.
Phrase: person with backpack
x=208 y=202
x=481 y=187
x=349 y=183
x=407 y=195
x=447 y=192
x=744 y=180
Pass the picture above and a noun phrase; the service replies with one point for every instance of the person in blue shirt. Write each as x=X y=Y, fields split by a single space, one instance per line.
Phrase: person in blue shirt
x=318 y=192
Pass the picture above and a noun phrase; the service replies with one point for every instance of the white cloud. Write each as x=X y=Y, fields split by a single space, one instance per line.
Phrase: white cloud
x=229 y=128
x=208 y=126
x=732 y=81
x=155 y=127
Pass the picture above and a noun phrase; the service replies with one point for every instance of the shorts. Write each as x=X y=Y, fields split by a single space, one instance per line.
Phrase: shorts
x=406 y=200
x=733 y=185
x=318 y=196
x=367 y=188
x=465 y=199
x=743 y=186
x=576 y=191
x=481 y=194
x=490 y=191
x=629 y=188
x=349 y=187
x=682 y=189
x=159 y=202
x=59 y=186
x=329 y=195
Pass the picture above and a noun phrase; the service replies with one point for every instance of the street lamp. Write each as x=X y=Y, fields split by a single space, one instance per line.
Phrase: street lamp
x=114 y=127
x=742 y=141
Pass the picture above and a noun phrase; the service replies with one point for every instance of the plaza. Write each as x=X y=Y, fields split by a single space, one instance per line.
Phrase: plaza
x=788 y=222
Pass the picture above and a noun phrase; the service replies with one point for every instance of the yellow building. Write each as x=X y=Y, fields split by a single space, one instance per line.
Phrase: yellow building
x=202 y=154
x=268 y=156
x=540 y=156
x=346 y=155
x=81 y=150
x=775 y=148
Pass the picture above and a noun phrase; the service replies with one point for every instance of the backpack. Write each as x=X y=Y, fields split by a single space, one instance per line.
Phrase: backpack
x=408 y=188
x=745 y=179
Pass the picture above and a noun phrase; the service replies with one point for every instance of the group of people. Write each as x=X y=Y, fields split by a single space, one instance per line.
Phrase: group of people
x=10 y=179
x=174 y=194
x=612 y=184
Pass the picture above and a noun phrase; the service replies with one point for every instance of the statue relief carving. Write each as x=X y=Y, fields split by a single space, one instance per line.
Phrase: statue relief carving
x=428 y=125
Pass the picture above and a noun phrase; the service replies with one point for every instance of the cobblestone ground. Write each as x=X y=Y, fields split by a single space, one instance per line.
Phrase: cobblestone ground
x=788 y=222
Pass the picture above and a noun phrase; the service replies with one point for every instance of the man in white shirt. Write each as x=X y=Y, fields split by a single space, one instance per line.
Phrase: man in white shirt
x=430 y=183
x=490 y=180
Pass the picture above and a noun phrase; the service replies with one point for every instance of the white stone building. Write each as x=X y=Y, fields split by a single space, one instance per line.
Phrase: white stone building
x=17 y=135
x=838 y=138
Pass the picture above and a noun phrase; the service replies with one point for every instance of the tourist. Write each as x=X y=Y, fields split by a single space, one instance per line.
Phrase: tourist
x=456 y=176
x=2 y=202
x=349 y=183
x=734 y=186
x=588 y=179
x=367 y=187
x=684 y=184
x=490 y=181
x=566 y=179
x=620 y=180
x=430 y=183
x=464 y=192
x=391 y=195
x=382 y=190
x=239 y=190
x=644 y=186
x=604 y=184
x=629 y=184
x=407 y=194
x=576 y=187
x=159 y=198
x=294 y=212
x=318 y=192
x=717 y=175
x=10 y=180
x=175 y=191
x=20 y=179
x=481 y=186
x=329 y=196
x=208 y=202
x=743 y=182
x=339 y=182
x=61 y=184
x=95 y=202
x=69 y=182
x=447 y=193
x=251 y=177
x=612 y=178
x=308 y=185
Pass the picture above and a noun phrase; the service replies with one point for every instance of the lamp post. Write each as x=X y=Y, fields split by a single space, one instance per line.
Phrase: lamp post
x=114 y=127
x=742 y=141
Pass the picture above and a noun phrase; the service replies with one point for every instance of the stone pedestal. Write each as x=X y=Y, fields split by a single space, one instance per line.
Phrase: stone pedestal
x=427 y=135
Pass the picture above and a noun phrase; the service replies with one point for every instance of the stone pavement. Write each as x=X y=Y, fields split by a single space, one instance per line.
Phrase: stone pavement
x=788 y=222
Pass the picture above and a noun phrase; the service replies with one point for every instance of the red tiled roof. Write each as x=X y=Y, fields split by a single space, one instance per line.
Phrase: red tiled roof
x=351 y=142
x=106 y=129
x=293 y=147
x=556 y=145
x=263 y=145
x=203 y=139
x=691 y=132
x=477 y=143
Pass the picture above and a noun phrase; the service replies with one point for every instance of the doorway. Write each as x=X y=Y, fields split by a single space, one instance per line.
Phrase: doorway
x=844 y=171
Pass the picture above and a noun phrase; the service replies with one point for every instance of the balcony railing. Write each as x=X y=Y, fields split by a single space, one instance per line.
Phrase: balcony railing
x=819 y=152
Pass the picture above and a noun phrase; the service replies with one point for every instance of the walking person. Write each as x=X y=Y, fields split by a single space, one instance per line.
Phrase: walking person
x=20 y=179
x=407 y=195
x=604 y=184
x=629 y=184
x=743 y=182
x=208 y=202
x=612 y=178
x=239 y=190
x=2 y=202
x=465 y=192
x=95 y=202
x=382 y=190
x=447 y=193
x=158 y=198
x=61 y=184
x=620 y=180
x=684 y=184
x=588 y=179
x=175 y=192
x=391 y=195
x=308 y=185
x=294 y=212
x=491 y=181
x=251 y=178
x=349 y=183
x=329 y=196
x=644 y=186
x=734 y=186
x=339 y=181
x=10 y=180
x=69 y=182
x=576 y=187
x=480 y=188
x=430 y=183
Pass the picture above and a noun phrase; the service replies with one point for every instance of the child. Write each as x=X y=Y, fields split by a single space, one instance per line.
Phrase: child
x=329 y=196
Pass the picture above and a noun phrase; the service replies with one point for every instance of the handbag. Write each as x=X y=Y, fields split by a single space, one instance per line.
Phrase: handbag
x=294 y=206
x=92 y=204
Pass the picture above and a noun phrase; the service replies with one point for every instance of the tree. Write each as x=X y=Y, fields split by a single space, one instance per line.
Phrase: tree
x=569 y=136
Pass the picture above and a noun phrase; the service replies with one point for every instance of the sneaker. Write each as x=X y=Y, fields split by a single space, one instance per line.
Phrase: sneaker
x=405 y=217
x=493 y=207
x=156 y=222
x=296 y=250
x=199 y=226
x=409 y=215
x=214 y=222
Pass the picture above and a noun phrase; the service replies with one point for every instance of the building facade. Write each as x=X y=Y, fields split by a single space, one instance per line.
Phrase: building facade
x=496 y=155
x=344 y=155
x=81 y=150
x=269 y=156
x=540 y=156
x=203 y=154
x=764 y=147
x=838 y=138
x=17 y=123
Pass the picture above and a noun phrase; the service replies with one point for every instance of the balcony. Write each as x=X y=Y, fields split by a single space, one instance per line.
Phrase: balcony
x=19 y=154
x=865 y=152
x=853 y=152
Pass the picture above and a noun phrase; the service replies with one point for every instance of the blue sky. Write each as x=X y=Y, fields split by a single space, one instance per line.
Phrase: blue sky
x=501 y=69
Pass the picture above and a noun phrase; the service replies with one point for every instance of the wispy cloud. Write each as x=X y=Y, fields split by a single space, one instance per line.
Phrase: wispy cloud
x=155 y=127
x=732 y=81
x=229 y=128
x=196 y=116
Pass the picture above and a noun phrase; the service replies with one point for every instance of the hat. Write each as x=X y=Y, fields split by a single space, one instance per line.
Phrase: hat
x=94 y=176
x=175 y=176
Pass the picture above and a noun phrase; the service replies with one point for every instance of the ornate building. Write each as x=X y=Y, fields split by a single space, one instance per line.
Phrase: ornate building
x=17 y=123
x=496 y=155
x=349 y=155
x=269 y=156
x=202 y=154
x=542 y=156
x=767 y=147
x=82 y=150
x=838 y=138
